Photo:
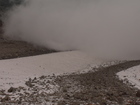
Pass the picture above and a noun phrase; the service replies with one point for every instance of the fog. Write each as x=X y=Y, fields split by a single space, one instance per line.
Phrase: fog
x=104 y=28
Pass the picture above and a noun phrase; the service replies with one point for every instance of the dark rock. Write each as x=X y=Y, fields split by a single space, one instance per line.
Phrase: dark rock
x=12 y=89
x=66 y=96
x=138 y=93
x=6 y=98
x=122 y=94
x=61 y=103
x=28 y=83
x=137 y=103
x=110 y=94
x=65 y=90
x=19 y=102
x=2 y=92
x=35 y=79
x=1 y=23
x=42 y=77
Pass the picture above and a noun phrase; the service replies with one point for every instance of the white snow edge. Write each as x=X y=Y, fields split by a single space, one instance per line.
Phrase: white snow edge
x=132 y=75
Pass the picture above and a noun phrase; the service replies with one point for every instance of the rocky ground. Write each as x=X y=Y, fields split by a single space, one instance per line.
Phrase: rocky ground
x=99 y=86
x=96 y=87
x=14 y=49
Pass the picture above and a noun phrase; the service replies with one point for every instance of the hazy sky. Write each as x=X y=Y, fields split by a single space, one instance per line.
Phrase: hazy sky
x=104 y=28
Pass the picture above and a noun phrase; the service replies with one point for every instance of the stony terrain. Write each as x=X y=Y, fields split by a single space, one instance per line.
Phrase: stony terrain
x=97 y=87
x=14 y=49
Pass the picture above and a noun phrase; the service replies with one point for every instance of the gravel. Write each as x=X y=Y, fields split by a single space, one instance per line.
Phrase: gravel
x=100 y=87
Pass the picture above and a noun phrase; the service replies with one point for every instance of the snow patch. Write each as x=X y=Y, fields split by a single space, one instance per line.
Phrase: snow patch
x=132 y=75
x=15 y=72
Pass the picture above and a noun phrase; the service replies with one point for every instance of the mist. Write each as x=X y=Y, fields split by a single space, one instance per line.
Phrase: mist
x=104 y=28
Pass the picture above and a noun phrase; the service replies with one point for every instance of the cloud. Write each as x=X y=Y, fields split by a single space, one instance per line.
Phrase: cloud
x=104 y=28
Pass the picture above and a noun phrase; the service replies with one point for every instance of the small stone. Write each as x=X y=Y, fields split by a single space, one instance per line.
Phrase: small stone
x=6 y=98
x=66 y=96
x=12 y=89
x=42 y=77
x=2 y=92
x=28 y=83
x=30 y=79
x=35 y=78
